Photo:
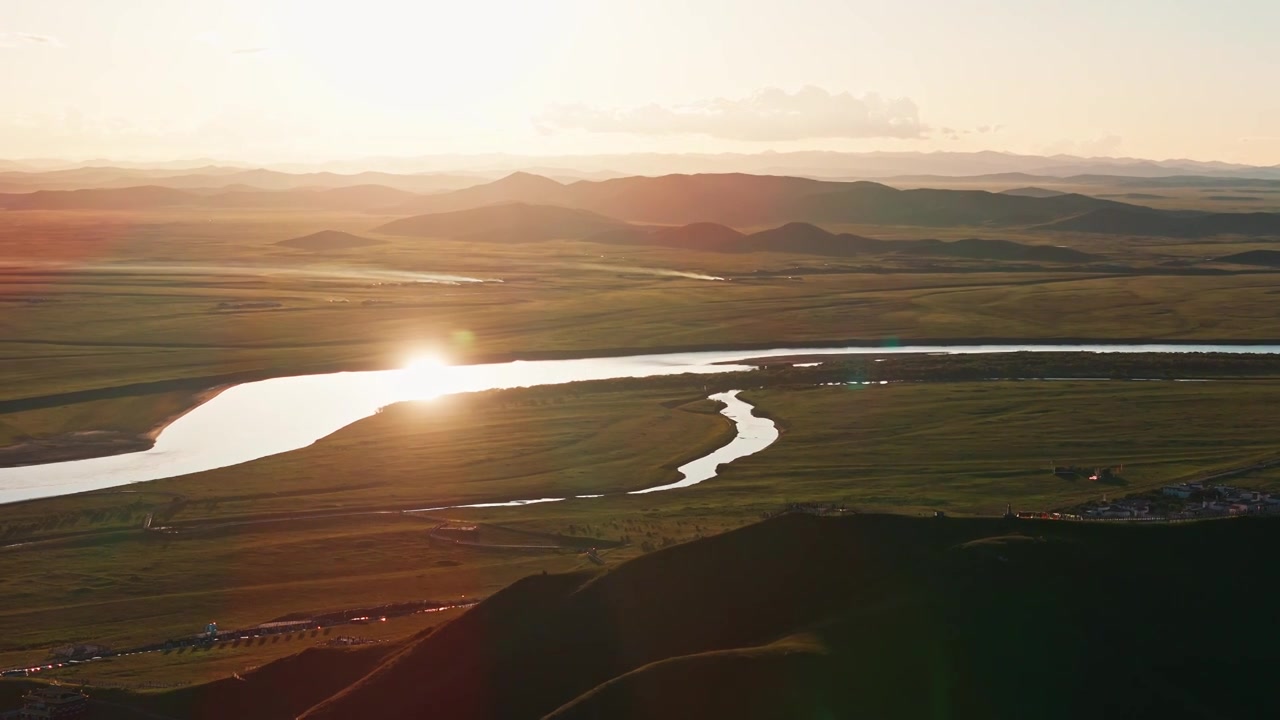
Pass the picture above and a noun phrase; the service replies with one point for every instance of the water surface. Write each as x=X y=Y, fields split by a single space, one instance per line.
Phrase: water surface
x=257 y=419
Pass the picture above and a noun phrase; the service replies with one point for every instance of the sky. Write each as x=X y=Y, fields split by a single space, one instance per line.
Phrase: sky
x=315 y=80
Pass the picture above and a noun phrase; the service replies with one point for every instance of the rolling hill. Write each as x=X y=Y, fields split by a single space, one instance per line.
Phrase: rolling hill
x=1134 y=220
x=516 y=222
x=744 y=201
x=519 y=187
x=151 y=197
x=707 y=237
x=511 y=222
x=328 y=240
x=1267 y=258
x=1032 y=191
x=752 y=201
x=861 y=616
x=220 y=177
x=145 y=197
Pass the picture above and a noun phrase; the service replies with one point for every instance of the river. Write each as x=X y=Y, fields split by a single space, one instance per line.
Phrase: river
x=268 y=417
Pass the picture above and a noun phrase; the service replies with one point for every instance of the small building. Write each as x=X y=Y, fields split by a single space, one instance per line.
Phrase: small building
x=1183 y=491
x=53 y=701
x=1137 y=508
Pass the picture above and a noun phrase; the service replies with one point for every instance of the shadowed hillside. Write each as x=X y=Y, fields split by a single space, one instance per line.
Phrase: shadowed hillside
x=132 y=198
x=329 y=240
x=518 y=187
x=1267 y=258
x=1133 y=220
x=1032 y=191
x=864 y=616
x=744 y=200
x=517 y=222
x=356 y=197
x=706 y=237
x=513 y=222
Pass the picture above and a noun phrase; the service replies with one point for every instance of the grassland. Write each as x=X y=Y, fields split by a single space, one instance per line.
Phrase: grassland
x=75 y=319
x=967 y=448
x=138 y=344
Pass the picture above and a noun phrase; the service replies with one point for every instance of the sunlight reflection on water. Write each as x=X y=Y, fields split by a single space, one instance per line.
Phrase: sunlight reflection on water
x=257 y=419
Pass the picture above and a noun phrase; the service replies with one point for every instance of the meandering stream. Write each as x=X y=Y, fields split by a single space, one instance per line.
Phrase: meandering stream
x=257 y=419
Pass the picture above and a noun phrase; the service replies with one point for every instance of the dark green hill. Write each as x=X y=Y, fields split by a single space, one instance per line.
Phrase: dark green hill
x=740 y=200
x=980 y=249
x=1032 y=191
x=511 y=222
x=1269 y=258
x=131 y=198
x=867 y=616
x=808 y=239
x=519 y=187
x=1132 y=220
x=706 y=237
x=329 y=240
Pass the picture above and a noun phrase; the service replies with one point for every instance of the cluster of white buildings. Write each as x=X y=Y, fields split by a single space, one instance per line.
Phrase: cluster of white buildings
x=1120 y=510
x=1222 y=500
x=1202 y=501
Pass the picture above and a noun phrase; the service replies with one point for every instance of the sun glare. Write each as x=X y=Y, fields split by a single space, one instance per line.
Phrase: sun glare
x=426 y=376
x=425 y=363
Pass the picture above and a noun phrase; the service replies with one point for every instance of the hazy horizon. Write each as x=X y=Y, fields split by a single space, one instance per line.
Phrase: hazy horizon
x=282 y=81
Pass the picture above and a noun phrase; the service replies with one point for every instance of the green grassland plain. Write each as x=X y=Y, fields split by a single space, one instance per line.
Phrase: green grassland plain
x=73 y=320
x=274 y=537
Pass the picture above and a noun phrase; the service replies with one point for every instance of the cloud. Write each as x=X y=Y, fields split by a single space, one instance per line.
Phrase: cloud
x=249 y=50
x=768 y=115
x=22 y=39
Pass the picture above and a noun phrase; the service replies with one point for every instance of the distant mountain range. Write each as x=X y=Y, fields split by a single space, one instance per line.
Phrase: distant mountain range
x=151 y=197
x=735 y=200
x=821 y=164
x=521 y=222
x=218 y=177
x=752 y=201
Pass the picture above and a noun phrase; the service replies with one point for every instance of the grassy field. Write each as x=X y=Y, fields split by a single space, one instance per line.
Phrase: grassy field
x=79 y=315
x=968 y=448
x=422 y=454
x=973 y=447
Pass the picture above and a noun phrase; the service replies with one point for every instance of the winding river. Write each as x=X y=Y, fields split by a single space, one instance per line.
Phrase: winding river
x=257 y=419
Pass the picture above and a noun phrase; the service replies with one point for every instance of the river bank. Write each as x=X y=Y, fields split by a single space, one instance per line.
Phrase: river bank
x=87 y=444
x=282 y=414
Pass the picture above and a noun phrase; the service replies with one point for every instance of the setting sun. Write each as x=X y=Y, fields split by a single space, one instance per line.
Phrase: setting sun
x=426 y=362
x=427 y=376
x=668 y=358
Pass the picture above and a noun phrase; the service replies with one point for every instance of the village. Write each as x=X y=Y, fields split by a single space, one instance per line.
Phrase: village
x=1184 y=501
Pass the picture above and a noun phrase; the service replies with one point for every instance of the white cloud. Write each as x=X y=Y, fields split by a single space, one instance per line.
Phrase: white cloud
x=22 y=39
x=250 y=51
x=768 y=115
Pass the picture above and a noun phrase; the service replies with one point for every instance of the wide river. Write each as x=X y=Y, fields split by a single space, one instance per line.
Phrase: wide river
x=257 y=419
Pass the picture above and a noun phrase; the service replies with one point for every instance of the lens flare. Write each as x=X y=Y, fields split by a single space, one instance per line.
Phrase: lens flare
x=427 y=376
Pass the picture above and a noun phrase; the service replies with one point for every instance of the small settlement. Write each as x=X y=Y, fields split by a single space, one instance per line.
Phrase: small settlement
x=1185 y=501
